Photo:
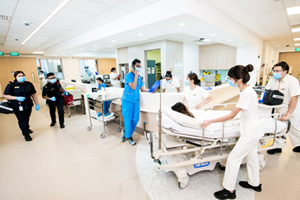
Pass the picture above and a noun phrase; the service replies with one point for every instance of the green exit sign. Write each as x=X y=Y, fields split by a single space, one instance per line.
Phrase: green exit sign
x=297 y=49
x=14 y=53
x=1 y=54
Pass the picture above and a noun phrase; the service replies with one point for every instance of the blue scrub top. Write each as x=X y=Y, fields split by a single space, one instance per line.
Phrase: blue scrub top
x=101 y=86
x=130 y=94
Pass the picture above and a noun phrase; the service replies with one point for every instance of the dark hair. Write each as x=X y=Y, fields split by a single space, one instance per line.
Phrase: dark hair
x=18 y=72
x=100 y=79
x=283 y=65
x=180 y=107
x=194 y=77
x=135 y=61
x=169 y=74
x=113 y=69
x=50 y=74
x=240 y=72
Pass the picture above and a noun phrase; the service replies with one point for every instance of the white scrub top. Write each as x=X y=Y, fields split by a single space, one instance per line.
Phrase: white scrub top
x=115 y=83
x=250 y=123
x=194 y=97
x=171 y=87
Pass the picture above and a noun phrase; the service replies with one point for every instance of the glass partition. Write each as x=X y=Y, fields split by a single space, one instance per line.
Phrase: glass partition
x=52 y=65
x=88 y=71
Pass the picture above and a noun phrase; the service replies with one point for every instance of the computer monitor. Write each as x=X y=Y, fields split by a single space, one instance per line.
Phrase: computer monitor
x=73 y=81
x=106 y=76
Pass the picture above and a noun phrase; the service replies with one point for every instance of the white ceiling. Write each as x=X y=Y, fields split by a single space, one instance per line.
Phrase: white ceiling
x=265 y=18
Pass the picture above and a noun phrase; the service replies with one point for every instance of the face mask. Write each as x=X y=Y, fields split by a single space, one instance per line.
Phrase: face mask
x=21 y=79
x=53 y=80
x=231 y=83
x=186 y=82
x=276 y=76
x=138 y=70
x=168 y=81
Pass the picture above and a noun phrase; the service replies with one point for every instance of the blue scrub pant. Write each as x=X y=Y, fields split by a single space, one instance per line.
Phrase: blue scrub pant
x=131 y=114
x=106 y=106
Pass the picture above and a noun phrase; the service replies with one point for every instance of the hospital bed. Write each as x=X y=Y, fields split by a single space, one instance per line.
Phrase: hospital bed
x=185 y=148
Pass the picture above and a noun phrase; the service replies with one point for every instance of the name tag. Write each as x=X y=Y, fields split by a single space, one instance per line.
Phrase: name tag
x=17 y=86
x=52 y=89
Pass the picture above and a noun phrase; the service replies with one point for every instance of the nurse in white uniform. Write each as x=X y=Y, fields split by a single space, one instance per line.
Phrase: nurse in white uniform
x=170 y=84
x=194 y=97
x=289 y=86
x=251 y=131
x=114 y=78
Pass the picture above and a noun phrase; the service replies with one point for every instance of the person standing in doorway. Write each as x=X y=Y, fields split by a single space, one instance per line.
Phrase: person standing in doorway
x=52 y=92
x=130 y=101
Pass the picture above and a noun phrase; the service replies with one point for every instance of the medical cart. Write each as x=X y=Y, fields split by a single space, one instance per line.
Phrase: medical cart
x=98 y=103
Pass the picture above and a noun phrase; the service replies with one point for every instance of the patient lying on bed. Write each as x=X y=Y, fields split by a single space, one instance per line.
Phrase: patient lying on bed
x=181 y=108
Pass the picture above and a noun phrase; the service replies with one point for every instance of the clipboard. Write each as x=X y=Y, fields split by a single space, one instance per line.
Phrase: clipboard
x=154 y=86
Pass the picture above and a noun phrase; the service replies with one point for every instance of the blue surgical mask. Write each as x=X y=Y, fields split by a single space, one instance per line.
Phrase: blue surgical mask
x=186 y=82
x=231 y=83
x=276 y=76
x=138 y=69
x=53 y=80
x=21 y=79
x=168 y=81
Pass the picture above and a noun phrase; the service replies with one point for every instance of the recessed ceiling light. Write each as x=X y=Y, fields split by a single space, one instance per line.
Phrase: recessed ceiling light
x=298 y=44
x=113 y=41
x=181 y=24
x=207 y=40
x=296 y=39
x=213 y=34
x=81 y=49
x=95 y=45
x=229 y=40
x=293 y=10
x=140 y=34
x=36 y=52
x=111 y=46
x=295 y=29
x=240 y=43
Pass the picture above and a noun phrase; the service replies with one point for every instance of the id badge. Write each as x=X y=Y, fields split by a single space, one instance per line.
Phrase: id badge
x=20 y=108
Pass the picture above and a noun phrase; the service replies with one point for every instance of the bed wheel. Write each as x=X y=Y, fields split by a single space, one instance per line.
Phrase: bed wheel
x=262 y=164
x=222 y=168
x=89 y=128
x=69 y=115
x=182 y=185
x=105 y=123
x=103 y=135
x=119 y=130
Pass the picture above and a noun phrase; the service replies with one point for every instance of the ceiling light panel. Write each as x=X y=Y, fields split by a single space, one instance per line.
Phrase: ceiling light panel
x=88 y=6
x=293 y=10
x=110 y=2
x=132 y=5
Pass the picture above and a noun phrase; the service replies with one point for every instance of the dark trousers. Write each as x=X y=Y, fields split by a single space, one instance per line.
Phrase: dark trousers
x=60 y=110
x=23 y=119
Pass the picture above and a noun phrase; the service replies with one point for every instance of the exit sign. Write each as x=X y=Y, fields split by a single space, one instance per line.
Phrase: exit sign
x=1 y=54
x=14 y=53
x=297 y=49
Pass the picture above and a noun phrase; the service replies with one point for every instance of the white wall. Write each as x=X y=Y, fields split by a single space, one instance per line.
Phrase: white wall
x=249 y=55
x=71 y=69
x=190 y=59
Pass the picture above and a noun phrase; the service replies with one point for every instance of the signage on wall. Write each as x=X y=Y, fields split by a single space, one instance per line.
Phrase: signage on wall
x=14 y=53
x=1 y=54
x=297 y=49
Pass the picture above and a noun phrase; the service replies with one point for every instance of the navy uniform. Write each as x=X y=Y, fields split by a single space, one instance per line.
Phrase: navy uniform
x=54 y=90
x=22 y=110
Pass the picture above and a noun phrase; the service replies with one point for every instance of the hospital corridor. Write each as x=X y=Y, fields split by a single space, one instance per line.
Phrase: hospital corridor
x=149 y=99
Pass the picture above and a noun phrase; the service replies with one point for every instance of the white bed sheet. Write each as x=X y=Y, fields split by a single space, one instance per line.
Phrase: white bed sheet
x=232 y=129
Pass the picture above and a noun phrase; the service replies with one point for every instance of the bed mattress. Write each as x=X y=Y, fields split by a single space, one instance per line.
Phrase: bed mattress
x=232 y=128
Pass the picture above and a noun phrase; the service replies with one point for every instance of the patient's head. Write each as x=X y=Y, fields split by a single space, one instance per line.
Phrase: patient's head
x=180 y=107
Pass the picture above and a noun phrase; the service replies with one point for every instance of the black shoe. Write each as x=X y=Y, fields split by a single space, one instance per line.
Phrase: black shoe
x=62 y=126
x=30 y=131
x=273 y=151
x=52 y=124
x=296 y=149
x=225 y=194
x=245 y=184
x=27 y=138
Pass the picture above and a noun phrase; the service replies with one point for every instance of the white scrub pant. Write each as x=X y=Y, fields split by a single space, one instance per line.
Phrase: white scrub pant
x=294 y=132
x=243 y=148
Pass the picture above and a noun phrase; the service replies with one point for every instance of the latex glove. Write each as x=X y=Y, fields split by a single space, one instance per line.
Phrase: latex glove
x=66 y=93
x=37 y=107
x=53 y=99
x=20 y=98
